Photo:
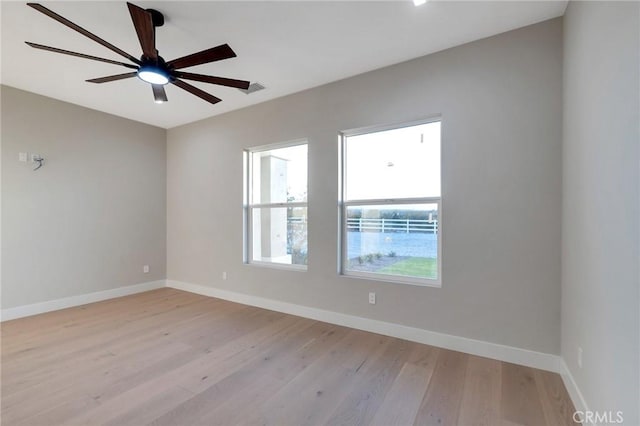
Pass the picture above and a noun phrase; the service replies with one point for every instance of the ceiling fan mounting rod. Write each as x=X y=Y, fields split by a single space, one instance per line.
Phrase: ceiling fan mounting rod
x=157 y=17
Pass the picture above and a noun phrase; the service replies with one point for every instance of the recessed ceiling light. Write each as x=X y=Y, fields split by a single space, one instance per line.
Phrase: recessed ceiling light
x=419 y=2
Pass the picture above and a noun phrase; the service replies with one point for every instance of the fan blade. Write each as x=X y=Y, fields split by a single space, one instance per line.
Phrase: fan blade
x=79 y=55
x=143 y=22
x=112 y=77
x=68 y=23
x=195 y=91
x=217 y=53
x=240 y=84
x=159 y=95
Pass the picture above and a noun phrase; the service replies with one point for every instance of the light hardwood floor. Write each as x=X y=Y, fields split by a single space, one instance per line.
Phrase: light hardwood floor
x=168 y=357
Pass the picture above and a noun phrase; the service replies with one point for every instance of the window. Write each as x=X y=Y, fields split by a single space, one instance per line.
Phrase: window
x=391 y=204
x=276 y=205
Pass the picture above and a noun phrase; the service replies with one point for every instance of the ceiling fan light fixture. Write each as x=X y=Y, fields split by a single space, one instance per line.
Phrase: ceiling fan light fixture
x=151 y=67
x=153 y=75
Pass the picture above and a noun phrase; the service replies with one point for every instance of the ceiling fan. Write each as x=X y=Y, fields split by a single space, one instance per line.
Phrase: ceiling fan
x=151 y=67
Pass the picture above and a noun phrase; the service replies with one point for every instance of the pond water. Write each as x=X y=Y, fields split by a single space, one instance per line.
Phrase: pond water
x=414 y=244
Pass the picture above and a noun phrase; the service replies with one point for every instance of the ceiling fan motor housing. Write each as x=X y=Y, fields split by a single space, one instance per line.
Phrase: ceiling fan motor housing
x=155 y=71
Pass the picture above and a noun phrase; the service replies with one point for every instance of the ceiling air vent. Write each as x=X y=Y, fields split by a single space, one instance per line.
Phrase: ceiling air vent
x=253 y=87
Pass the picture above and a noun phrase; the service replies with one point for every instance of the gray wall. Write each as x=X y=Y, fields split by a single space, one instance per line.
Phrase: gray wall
x=600 y=276
x=93 y=215
x=500 y=100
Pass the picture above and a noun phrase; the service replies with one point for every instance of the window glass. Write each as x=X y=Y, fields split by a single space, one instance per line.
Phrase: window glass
x=391 y=204
x=276 y=213
x=399 y=239
x=279 y=175
x=398 y=163
x=280 y=235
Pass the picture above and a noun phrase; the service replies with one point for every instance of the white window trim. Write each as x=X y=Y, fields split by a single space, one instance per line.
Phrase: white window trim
x=343 y=205
x=248 y=207
x=382 y=127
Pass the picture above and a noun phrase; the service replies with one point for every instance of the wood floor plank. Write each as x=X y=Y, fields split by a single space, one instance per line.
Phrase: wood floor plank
x=196 y=375
x=88 y=353
x=151 y=408
x=42 y=397
x=369 y=389
x=556 y=403
x=56 y=415
x=196 y=408
x=77 y=321
x=520 y=401
x=441 y=404
x=40 y=324
x=401 y=404
x=482 y=393
x=268 y=381
x=168 y=357
x=319 y=389
x=58 y=345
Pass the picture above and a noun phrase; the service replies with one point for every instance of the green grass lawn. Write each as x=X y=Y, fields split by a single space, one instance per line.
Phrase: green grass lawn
x=422 y=267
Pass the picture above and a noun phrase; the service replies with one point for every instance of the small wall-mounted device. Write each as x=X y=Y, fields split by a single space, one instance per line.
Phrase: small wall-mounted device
x=35 y=158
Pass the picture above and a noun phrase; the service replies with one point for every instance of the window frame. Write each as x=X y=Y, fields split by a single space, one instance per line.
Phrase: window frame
x=343 y=205
x=248 y=206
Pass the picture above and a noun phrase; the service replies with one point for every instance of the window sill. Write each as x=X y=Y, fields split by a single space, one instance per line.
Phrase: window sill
x=280 y=266
x=394 y=279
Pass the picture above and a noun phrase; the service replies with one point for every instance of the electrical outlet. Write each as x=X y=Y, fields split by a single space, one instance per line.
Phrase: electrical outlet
x=580 y=356
x=23 y=157
x=224 y=275
x=372 y=298
x=145 y=269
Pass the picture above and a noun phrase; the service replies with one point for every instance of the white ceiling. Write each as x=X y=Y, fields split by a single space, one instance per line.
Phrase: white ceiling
x=286 y=46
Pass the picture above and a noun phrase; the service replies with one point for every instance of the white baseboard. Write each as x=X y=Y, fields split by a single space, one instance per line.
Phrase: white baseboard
x=543 y=361
x=83 y=299
x=576 y=396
